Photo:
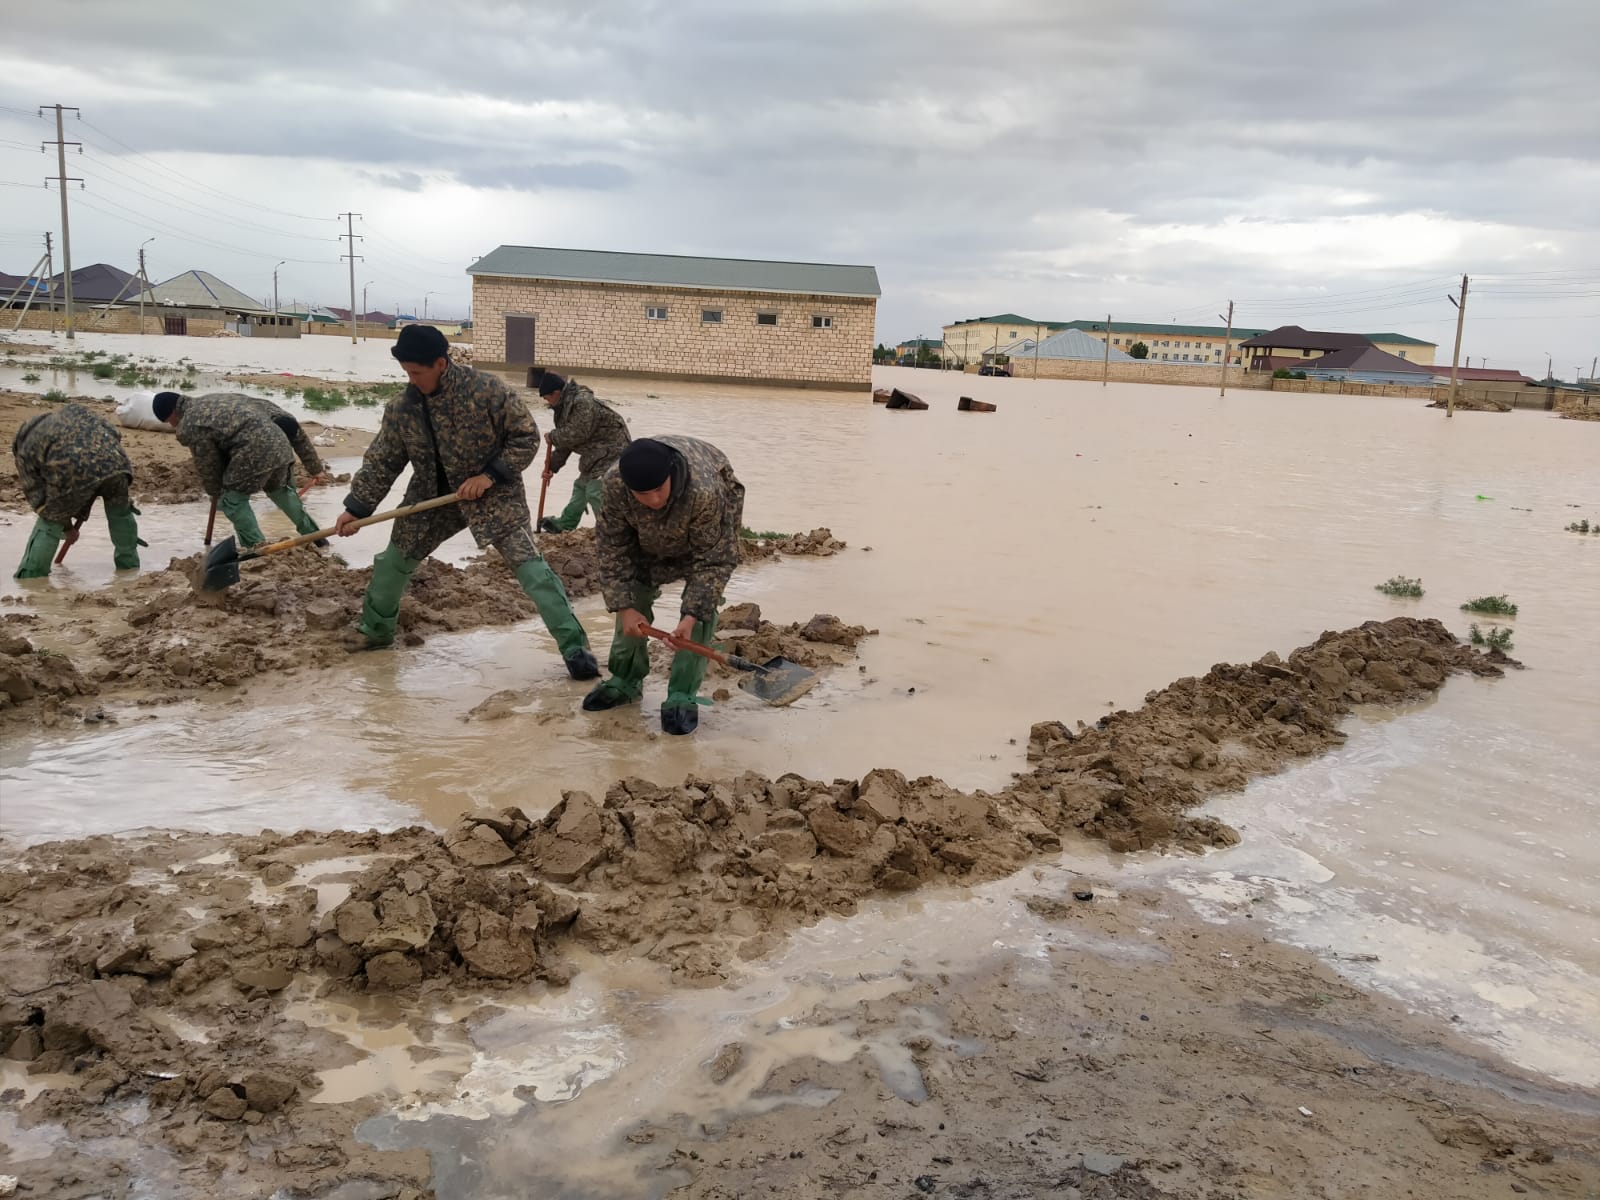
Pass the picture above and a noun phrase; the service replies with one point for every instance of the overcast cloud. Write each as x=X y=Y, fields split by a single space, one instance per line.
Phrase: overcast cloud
x=1333 y=164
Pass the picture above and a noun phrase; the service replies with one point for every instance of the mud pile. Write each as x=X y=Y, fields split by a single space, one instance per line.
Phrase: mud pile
x=572 y=555
x=1579 y=408
x=1475 y=404
x=110 y=943
x=158 y=639
x=823 y=641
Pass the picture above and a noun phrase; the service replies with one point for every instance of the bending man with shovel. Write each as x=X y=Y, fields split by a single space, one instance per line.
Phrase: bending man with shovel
x=243 y=445
x=464 y=434
x=66 y=459
x=671 y=510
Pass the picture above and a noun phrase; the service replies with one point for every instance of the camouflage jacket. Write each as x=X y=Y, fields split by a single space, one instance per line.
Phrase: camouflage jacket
x=695 y=538
x=243 y=443
x=64 y=456
x=473 y=425
x=589 y=428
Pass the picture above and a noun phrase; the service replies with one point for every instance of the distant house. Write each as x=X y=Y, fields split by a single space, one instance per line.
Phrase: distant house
x=1409 y=348
x=802 y=324
x=1367 y=364
x=202 y=296
x=1291 y=347
x=21 y=287
x=1481 y=375
x=100 y=283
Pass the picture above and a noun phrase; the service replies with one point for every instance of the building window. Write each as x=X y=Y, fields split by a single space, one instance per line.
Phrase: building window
x=766 y=318
x=821 y=322
x=1185 y=358
x=711 y=316
x=1402 y=354
x=655 y=312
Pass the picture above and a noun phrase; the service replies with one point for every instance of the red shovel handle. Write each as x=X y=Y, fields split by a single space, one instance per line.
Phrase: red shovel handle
x=715 y=656
x=72 y=536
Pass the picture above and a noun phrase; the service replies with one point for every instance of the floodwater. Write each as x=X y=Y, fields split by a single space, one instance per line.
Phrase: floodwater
x=1065 y=555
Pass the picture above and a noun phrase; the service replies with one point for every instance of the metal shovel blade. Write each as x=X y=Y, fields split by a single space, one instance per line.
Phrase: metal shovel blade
x=780 y=681
x=219 y=570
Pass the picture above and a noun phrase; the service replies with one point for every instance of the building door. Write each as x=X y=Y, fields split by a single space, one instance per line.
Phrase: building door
x=175 y=326
x=519 y=341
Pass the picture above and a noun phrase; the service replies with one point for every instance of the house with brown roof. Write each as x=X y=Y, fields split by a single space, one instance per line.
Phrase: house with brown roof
x=1289 y=347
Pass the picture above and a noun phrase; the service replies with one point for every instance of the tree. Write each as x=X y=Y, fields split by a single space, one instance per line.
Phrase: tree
x=1138 y=350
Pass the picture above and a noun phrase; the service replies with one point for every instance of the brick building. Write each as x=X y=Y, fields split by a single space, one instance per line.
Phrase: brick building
x=706 y=319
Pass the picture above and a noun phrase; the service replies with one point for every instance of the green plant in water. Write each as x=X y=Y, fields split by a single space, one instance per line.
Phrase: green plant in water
x=91 y=355
x=1401 y=586
x=186 y=385
x=104 y=370
x=1495 y=606
x=1582 y=526
x=1495 y=639
x=324 y=399
x=147 y=381
x=762 y=535
x=55 y=396
x=30 y=377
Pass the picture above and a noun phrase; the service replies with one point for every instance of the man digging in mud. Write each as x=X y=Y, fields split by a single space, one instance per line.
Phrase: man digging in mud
x=243 y=445
x=671 y=509
x=65 y=459
x=592 y=430
x=463 y=432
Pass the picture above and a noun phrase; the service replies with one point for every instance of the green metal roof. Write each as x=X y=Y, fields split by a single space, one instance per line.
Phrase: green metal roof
x=1397 y=339
x=1240 y=331
x=677 y=270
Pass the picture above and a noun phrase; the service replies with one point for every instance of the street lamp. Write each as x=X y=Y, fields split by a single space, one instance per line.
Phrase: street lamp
x=425 y=304
x=275 y=286
x=364 y=288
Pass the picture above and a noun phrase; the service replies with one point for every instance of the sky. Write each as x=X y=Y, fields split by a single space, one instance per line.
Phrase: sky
x=1337 y=165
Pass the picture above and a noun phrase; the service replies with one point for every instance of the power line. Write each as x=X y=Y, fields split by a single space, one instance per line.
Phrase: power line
x=197 y=183
x=137 y=186
x=144 y=221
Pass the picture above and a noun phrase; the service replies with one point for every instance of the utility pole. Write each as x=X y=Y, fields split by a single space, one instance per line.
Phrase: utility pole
x=1036 y=340
x=144 y=279
x=1105 y=376
x=1455 y=357
x=61 y=182
x=275 y=287
x=364 y=288
x=49 y=274
x=32 y=277
x=350 y=237
x=1227 y=349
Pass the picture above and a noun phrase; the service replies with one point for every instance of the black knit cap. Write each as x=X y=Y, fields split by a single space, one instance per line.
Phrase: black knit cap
x=163 y=405
x=550 y=382
x=645 y=464
x=422 y=345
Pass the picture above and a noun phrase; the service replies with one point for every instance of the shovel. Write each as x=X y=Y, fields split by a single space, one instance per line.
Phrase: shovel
x=72 y=536
x=544 y=484
x=220 y=569
x=778 y=681
x=211 y=523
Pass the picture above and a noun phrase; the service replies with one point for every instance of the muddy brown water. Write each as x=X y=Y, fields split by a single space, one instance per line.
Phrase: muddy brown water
x=1061 y=556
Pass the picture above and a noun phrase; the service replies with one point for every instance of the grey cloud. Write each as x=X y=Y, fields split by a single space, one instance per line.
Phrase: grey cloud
x=586 y=176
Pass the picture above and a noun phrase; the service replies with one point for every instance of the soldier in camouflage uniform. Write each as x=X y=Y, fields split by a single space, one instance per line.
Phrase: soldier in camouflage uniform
x=672 y=510
x=592 y=430
x=65 y=459
x=467 y=433
x=243 y=445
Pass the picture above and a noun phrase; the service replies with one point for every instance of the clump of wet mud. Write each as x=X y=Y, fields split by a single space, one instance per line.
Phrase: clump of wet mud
x=157 y=639
x=44 y=678
x=109 y=942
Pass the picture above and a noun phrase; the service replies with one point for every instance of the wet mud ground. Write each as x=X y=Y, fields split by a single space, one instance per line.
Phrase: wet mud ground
x=738 y=983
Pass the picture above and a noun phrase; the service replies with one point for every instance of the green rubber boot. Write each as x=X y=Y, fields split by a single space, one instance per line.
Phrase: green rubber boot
x=41 y=550
x=125 y=540
x=544 y=588
x=680 y=711
x=236 y=507
x=288 y=501
x=380 y=609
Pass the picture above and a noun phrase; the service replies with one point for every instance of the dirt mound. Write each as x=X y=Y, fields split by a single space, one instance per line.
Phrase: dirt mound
x=1475 y=404
x=157 y=638
x=1579 y=408
x=47 y=679
x=111 y=943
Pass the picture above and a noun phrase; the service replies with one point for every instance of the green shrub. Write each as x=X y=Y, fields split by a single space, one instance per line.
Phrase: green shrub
x=104 y=370
x=1401 y=586
x=1495 y=639
x=186 y=385
x=1582 y=526
x=1495 y=606
x=30 y=377
x=55 y=396
x=324 y=399
x=762 y=535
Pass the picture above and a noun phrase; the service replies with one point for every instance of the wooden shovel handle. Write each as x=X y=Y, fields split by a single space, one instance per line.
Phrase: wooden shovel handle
x=544 y=482
x=211 y=522
x=307 y=538
x=72 y=536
